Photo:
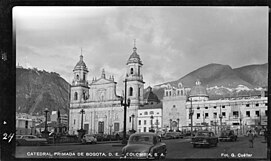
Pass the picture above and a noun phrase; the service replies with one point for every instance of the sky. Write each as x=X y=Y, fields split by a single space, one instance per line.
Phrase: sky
x=171 y=41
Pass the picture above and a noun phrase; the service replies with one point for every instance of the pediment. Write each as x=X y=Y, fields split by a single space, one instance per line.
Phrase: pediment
x=102 y=81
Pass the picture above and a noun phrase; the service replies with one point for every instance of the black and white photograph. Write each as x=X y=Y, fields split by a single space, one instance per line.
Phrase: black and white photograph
x=141 y=82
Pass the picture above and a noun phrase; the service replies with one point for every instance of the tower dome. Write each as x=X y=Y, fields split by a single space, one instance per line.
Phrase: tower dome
x=198 y=91
x=81 y=65
x=134 y=58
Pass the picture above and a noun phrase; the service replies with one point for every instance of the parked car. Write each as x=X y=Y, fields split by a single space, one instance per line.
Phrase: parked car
x=170 y=135
x=204 y=138
x=88 y=138
x=178 y=135
x=30 y=140
x=228 y=135
x=119 y=135
x=144 y=146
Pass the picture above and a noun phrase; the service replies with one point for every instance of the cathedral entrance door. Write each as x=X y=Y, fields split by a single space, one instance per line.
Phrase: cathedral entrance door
x=86 y=127
x=174 y=125
x=101 y=127
x=116 y=127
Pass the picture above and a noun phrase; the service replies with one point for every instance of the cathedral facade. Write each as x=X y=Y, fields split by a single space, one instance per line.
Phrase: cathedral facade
x=95 y=106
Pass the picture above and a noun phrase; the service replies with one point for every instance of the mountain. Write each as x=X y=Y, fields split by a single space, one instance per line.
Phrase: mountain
x=256 y=75
x=37 y=90
x=223 y=81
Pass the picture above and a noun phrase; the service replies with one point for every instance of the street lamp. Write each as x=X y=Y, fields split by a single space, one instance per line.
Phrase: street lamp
x=110 y=127
x=191 y=112
x=45 y=133
x=81 y=132
x=156 y=125
x=125 y=105
x=133 y=117
x=31 y=130
x=151 y=124
x=170 y=121
x=220 y=117
x=82 y=112
x=46 y=111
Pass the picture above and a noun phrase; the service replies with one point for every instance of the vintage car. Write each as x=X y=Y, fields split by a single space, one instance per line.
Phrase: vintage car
x=227 y=135
x=178 y=135
x=169 y=135
x=204 y=138
x=88 y=138
x=30 y=140
x=144 y=146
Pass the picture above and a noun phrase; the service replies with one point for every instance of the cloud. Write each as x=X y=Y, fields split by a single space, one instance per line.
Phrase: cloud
x=171 y=41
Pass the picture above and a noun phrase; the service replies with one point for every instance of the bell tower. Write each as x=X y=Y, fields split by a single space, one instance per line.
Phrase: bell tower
x=134 y=77
x=79 y=87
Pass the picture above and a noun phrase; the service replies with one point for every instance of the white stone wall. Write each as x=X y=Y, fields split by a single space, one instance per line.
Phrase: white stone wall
x=145 y=115
x=174 y=108
x=228 y=107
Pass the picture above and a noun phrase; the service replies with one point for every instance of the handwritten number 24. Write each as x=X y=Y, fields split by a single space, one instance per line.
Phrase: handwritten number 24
x=8 y=137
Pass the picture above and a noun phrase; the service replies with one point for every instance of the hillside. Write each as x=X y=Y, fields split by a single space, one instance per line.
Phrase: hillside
x=37 y=90
x=254 y=74
x=223 y=81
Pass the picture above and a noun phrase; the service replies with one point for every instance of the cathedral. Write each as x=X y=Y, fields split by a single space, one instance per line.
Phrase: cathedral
x=95 y=106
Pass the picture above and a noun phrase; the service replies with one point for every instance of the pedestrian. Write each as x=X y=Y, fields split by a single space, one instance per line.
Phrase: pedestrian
x=251 y=138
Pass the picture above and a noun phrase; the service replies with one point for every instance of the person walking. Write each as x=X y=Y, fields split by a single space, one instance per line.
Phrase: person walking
x=251 y=138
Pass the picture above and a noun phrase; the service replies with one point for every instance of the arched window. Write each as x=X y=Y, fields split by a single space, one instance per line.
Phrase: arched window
x=130 y=91
x=84 y=95
x=166 y=93
x=84 y=76
x=75 y=96
x=138 y=91
x=77 y=77
x=132 y=71
x=182 y=92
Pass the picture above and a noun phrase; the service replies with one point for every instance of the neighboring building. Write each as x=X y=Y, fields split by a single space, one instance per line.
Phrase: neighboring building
x=174 y=107
x=25 y=125
x=240 y=113
x=63 y=118
x=38 y=119
x=103 y=112
x=150 y=115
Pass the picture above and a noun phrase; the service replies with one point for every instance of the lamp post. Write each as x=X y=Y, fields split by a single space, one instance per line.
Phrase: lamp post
x=178 y=120
x=220 y=117
x=45 y=132
x=170 y=121
x=31 y=130
x=125 y=105
x=82 y=112
x=156 y=125
x=151 y=124
x=191 y=112
x=241 y=126
x=110 y=130
x=81 y=132
x=46 y=126
x=133 y=117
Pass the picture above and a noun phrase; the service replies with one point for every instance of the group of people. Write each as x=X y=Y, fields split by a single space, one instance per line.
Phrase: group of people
x=251 y=136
